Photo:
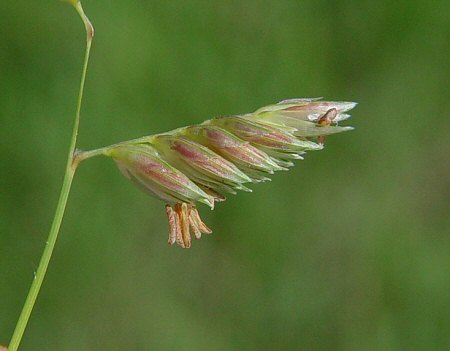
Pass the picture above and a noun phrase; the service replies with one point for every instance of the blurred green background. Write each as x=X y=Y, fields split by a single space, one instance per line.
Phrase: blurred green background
x=350 y=250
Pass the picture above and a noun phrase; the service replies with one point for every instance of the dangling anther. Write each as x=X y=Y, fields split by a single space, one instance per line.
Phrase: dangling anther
x=171 y=215
x=325 y=121
x=197 y=223
x=183 y=236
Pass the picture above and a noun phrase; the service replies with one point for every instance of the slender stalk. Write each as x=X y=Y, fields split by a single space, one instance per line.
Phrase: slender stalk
x=59 y=213
x=81 y=155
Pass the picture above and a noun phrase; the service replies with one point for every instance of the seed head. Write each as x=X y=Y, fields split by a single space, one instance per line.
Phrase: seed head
x=201 y=162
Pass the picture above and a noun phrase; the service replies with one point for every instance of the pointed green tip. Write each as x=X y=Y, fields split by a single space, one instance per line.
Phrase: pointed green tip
x=208 y=202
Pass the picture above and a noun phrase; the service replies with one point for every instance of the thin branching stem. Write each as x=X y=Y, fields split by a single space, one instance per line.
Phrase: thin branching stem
x=59 y=213
x=81 y=155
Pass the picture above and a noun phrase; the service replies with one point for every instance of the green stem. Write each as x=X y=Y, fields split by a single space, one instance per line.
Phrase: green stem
x=59 y=213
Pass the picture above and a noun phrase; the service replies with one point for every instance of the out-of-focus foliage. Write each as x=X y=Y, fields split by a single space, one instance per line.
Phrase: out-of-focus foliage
x=347 y=251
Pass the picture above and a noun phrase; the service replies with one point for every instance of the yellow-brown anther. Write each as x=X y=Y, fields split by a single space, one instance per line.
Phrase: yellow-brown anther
x=172 y=217
x=325 y=121
x=328 y=117
x=183 y=213
x=197 y=222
